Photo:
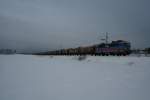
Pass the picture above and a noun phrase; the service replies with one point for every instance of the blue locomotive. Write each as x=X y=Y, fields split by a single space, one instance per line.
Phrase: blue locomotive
x=119 y=47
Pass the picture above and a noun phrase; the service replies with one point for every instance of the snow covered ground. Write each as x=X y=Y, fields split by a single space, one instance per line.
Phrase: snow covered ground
x=29 y=77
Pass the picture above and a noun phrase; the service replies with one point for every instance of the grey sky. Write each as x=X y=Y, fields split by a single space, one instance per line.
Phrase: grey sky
x=49 y=24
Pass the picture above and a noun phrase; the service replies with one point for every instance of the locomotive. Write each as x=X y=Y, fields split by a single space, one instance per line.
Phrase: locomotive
x=119 y=47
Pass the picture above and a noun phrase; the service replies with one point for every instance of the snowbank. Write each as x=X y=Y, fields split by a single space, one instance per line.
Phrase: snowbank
x=26 y=77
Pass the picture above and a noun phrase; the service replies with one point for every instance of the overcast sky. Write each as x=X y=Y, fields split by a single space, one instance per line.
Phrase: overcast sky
x=49 y=24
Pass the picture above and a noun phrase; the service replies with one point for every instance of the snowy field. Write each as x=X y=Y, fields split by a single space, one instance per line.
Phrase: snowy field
x=29 y=77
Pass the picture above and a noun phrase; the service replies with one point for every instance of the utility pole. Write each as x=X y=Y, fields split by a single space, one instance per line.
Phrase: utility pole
x=106 y=38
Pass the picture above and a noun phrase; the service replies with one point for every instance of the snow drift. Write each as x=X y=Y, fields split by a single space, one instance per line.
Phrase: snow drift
x=26 y=77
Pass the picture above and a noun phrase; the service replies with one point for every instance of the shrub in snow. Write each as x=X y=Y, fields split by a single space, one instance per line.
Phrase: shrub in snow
x=130 y=63
x=51 y=56
x=80 y=58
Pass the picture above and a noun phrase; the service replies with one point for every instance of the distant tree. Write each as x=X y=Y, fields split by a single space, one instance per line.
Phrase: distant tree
x=147 y=50
x=7 y=51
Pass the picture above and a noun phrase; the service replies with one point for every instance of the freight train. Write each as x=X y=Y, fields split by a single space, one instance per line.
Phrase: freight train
x=119 y=48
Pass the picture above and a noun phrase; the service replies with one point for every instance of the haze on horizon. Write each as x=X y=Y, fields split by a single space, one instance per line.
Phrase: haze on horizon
x=40 y=25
